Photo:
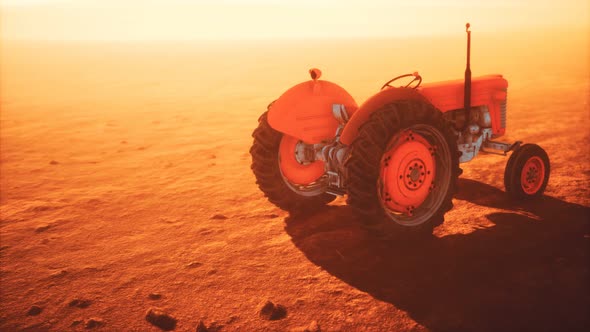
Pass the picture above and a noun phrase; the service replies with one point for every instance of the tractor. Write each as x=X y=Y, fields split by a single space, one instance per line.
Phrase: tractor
x=396 y=157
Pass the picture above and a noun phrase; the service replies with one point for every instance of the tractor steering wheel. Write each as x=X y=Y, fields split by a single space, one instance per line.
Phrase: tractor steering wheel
x=416 y=76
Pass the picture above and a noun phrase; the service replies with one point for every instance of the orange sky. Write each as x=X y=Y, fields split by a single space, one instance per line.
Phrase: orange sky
x=243 y=19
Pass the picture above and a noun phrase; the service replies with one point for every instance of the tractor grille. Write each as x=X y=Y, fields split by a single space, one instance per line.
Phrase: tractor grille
x=503 y=114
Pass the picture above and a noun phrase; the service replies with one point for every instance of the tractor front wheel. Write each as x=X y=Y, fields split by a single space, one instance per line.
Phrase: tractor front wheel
x=527 y=172
x=403 y=168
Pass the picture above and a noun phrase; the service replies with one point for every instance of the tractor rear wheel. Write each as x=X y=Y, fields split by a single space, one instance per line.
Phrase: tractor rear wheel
x=527 y=172
x=403 y=168
x=288 y=184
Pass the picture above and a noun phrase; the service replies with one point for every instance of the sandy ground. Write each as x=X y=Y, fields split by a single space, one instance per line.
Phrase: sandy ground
x=125 y=172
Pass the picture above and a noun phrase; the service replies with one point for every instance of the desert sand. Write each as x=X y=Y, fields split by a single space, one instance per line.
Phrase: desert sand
x=126 y=185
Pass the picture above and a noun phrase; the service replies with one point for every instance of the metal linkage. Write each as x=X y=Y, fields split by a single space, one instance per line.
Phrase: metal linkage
x=335 y=153
x=470 y=148
x=477 y=137
x=500 y=148
x=332 y=153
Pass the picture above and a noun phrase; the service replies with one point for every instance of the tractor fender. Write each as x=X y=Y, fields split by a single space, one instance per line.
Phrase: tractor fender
x=374 y=103
x=305 y=110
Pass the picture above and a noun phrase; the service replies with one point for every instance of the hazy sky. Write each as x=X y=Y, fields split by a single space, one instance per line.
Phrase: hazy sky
x=241 y=19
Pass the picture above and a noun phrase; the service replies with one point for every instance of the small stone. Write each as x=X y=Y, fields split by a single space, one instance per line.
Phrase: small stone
x=80 y=303
x=155 y=296
x=201 y=327
x=53 y=162
x=76 y=322
x=218 y=217
x=58 y=274
x=94 y=322
x=205 y=231
x=42 y=228
x=272 y=216
x=313 y=327
x=214 y=327
x=192 y=265
x=271 y=311
x=161 y=319
x=34 y=310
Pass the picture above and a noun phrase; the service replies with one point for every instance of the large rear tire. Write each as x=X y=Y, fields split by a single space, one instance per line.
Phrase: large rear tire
x=296 y=198
x=403 y=168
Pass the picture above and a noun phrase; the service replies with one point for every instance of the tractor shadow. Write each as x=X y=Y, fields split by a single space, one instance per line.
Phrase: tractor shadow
x=530 y=271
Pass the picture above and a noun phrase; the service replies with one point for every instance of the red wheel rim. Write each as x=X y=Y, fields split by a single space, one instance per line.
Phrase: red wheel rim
x=532 y=175
x=408 y=169
x=292 y=170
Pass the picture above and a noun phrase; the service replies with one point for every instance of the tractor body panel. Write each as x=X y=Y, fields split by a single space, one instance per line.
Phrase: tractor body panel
x=447 y=96
x=487 y=91
x=305 y=110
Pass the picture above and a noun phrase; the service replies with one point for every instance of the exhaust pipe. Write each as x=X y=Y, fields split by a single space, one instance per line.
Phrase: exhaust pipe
x=467 y=91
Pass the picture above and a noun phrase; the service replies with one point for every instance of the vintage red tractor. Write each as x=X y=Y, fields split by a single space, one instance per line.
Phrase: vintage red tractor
x=396 y=156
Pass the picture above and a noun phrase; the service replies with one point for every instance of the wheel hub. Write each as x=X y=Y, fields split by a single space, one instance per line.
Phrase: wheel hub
x=303 y=178
x=415 y=174
x=407 y=172
x=532 y=175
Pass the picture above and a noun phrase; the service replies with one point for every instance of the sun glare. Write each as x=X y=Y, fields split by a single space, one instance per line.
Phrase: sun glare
x=267 y=19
